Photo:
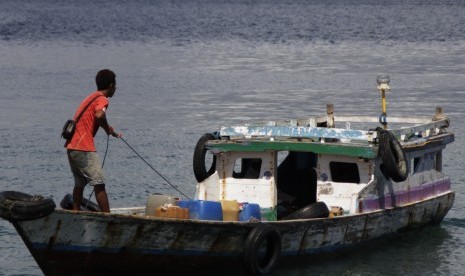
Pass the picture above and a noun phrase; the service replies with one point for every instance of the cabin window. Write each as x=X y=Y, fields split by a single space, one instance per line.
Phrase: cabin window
x=439 y=161
x=247 y=168
x=424 y=163
x=416 y=165
x=344 y=172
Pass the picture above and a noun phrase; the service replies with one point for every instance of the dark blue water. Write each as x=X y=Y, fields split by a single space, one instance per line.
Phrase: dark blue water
x=270 y=21
x=187 y=67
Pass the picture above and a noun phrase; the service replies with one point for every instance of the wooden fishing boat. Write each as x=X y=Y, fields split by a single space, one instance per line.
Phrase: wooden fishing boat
x=317 y=184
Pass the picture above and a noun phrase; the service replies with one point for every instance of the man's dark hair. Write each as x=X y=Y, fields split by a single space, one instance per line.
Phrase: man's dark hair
x=104 y=79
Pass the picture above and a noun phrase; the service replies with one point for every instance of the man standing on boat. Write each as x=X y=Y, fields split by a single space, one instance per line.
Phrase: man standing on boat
x=82 y=155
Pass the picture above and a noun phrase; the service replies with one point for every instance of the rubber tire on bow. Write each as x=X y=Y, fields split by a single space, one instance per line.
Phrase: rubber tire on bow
x=200 y=171
x=393 y=156
x=86 y=205
x=259 y=234
x=314 y=210
x=20 y=206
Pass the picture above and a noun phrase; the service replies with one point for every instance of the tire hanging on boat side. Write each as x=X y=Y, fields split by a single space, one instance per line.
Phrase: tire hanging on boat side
x=20 y=206
x=392 y=155
x=253 y=261
x=200 y=169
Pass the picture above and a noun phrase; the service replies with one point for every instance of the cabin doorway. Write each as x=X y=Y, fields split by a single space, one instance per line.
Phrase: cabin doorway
x=297 y=180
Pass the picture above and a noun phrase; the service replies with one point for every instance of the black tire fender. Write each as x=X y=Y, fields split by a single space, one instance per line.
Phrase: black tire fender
x=21 y=206
x=314 y=210
x=200 y=170
x=86 y=205
x=393 y=156
x=260 y=235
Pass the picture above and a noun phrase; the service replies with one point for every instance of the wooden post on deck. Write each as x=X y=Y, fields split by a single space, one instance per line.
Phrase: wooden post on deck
x=330 y=115
x=439 y=114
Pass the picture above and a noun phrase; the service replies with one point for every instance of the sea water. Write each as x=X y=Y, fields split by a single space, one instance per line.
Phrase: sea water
x=185 y=68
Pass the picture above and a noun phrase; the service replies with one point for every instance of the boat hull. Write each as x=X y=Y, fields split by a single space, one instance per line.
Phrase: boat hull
x=82 y=243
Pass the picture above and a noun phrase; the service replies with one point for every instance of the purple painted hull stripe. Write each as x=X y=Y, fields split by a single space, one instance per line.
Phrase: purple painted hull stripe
x=405 y=197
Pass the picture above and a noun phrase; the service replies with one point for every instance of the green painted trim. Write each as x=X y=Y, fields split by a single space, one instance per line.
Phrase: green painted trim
x=364 y=151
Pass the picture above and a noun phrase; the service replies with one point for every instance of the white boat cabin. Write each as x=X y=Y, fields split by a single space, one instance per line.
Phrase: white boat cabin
x=340 y=167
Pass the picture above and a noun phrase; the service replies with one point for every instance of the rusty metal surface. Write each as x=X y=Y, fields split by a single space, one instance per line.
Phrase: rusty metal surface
x=92 y=242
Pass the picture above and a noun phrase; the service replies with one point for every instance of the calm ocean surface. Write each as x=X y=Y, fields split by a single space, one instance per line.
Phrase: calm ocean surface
x=188 y=67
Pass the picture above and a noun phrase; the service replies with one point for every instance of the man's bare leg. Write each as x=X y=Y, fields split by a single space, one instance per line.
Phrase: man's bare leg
x=102 y=198
x=77 y=198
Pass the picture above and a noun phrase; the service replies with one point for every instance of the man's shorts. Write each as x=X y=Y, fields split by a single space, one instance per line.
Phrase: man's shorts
x=86 y=168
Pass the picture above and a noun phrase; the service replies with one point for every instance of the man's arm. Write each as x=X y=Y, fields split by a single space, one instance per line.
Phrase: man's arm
x=102 y=120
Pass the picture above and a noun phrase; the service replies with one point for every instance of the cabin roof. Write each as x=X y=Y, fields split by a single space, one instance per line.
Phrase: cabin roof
x=314 y=135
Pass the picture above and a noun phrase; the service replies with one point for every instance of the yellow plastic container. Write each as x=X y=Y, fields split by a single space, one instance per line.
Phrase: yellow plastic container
x=230 y=210
x=335 y=211
x=156 y=200
x=172 y=212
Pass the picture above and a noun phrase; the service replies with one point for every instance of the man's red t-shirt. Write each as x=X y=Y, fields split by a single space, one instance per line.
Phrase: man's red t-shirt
x=87 y=126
